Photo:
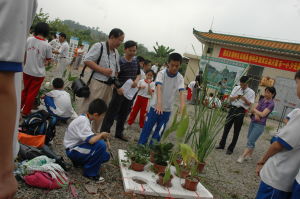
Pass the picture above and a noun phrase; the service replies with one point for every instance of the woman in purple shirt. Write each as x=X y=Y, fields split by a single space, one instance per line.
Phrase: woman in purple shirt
x=259 y=116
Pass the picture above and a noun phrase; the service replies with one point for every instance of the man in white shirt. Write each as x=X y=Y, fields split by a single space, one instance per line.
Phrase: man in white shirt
x=280 y=165
x=16 y=19
x=241 y=99
x=62 y=55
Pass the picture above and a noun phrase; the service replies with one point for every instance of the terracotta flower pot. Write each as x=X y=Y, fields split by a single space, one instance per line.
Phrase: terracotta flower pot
x=160 y=180
x=136 y=166
x=159 y=168
x=152 y=156
x=201 y=167
x=191 y=184
x=183 y=173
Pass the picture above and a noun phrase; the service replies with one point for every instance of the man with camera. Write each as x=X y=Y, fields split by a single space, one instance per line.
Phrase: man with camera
x=103 y=59
x=119 y=105
x=241 y=98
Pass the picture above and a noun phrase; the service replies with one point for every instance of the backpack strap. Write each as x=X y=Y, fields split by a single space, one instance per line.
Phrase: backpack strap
x=98 y=61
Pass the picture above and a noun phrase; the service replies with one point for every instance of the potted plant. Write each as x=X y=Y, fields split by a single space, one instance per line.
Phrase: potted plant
x=205 y=126
x=165 y=179
x=138 y=155
x=162 y=152
x=191 y=181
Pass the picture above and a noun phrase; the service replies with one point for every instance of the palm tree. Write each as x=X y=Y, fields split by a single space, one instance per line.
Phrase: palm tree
x=162 y=51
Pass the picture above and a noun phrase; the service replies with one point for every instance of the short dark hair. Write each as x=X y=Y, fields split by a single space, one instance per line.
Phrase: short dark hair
x=42 y=28
x=140 y=59
x=175 y=57
x=63 y=35
x=244 y=79
x=129 y=44
x=97 y=106
x=297 y=75
x=271 y=90
x=58 y=83
x=150 y=71
x=146 y=62
x=211 y=94
x=225 y=79
x=116 y=32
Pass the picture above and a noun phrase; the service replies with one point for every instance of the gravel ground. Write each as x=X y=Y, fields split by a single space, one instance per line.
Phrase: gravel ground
x=223 y=176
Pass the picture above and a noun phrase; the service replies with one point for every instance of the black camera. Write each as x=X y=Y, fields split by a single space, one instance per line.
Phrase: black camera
x=115 y=81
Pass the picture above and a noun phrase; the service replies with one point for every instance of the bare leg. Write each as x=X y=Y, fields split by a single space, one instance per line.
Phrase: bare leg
x=8 y=184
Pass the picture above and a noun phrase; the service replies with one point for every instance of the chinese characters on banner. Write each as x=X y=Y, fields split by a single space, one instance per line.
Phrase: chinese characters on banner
x=260 y=60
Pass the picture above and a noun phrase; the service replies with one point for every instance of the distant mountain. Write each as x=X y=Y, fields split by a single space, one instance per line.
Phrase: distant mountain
x=95 y=33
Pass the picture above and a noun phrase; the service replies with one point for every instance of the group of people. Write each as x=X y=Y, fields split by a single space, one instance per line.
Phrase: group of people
x=86 y=139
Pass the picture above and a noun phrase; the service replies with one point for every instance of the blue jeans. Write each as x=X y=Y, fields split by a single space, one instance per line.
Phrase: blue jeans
x=255 y=130
x=267 y=192
x=152 y=119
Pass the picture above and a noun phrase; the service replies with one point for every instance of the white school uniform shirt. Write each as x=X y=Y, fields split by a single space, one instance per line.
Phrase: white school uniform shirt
x=38 y=51
x=143 y=75
x=78 y=132
x=62 y=101
x=248 y=93
x=292 y=113
x=171 y=84
x=110 y=60
x=298 y=177
x=281 y=169
x=191 y=84
x=154 y=68
x=144 y=91
x=16 y=19
x=63 y=50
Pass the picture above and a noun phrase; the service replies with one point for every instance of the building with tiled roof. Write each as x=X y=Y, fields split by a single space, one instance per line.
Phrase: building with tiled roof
x=266 y=62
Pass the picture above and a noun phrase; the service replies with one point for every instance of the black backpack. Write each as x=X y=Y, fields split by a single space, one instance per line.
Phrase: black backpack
x=40 y=123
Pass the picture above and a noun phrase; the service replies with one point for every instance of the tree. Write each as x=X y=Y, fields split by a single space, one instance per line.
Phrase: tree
x=162 y=51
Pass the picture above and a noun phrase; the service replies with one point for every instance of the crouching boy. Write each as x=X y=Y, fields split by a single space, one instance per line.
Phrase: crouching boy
x=85 y=148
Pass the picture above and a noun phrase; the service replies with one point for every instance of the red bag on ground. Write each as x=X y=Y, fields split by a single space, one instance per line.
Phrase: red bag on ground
x=42 y=180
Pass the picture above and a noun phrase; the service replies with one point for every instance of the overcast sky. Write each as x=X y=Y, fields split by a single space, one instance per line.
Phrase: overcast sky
x=171 y=22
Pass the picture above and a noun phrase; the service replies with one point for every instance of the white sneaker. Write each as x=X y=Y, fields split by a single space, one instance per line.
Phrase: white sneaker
x=241 y=159
x=248 y=158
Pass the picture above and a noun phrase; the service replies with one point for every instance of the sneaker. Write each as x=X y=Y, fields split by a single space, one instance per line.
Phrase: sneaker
x=96 y=178
x=240 y=159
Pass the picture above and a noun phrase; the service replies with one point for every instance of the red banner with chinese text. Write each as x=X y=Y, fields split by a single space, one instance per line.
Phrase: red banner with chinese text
x=260 y=60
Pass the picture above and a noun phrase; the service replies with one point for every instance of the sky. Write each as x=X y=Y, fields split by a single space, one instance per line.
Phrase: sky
x=171 y=22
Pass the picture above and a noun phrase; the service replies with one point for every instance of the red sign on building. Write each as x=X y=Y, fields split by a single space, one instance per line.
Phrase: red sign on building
x=260 y=60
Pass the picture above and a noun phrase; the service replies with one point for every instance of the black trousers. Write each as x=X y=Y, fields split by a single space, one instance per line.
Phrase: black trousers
x=119 y=109
x=235 y=117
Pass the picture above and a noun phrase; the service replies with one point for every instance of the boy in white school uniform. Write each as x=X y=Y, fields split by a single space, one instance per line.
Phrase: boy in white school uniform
x=58 y=101
x=83 y=147
x=12 y=45
x=38 y=52
x=62 y=55
x=280 y=165
x=168 y=83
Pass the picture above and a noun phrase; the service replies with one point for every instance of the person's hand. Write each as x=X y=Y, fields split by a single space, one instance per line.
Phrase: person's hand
x=105 y=135
x=8 y=186
x=120 y=91
x=142 y=87
x=107 y=71
x=243 y=98
x=256 y=117
x=134 y=85
x=258 y=168
x=159 y=109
